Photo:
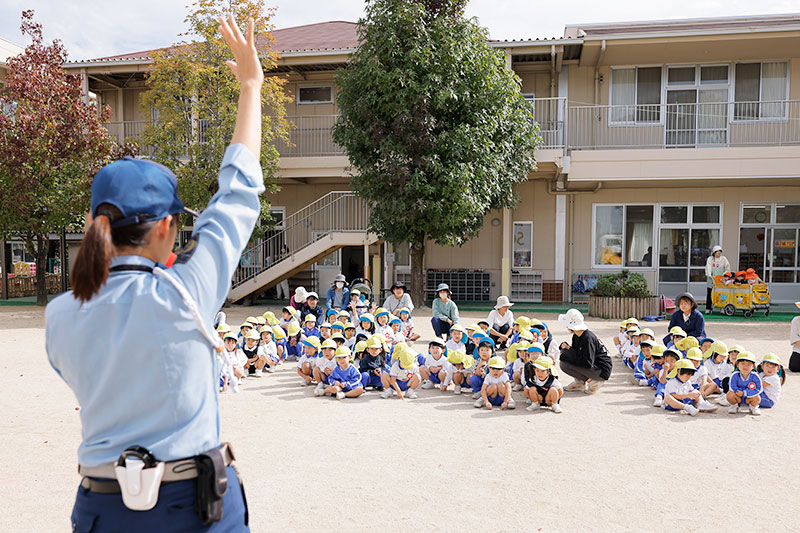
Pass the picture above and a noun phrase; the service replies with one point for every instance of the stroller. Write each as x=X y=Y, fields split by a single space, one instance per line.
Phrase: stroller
x=364 y=286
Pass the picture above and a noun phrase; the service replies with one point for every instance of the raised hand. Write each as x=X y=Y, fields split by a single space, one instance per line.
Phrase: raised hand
x=246 y=66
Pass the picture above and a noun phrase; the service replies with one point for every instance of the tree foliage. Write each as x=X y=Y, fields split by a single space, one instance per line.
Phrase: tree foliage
x=52 y=141
x=193 y=96
x=625 y=284
x=433 y=122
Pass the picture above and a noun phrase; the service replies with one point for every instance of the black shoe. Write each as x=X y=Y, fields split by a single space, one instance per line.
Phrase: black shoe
x=379 y=389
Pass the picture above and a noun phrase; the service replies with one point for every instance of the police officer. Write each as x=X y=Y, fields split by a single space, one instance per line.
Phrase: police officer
x=134 y=341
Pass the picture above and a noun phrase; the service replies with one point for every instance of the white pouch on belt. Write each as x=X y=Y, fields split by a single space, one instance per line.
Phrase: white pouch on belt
x=139 y=485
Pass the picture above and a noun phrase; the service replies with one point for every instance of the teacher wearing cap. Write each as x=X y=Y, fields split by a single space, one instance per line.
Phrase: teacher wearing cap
x=398 y=298
x=716 y=265
x=134 y=344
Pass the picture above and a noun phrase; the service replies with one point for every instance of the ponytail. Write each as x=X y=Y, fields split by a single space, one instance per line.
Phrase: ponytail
x=94 y=258
x=99 y=245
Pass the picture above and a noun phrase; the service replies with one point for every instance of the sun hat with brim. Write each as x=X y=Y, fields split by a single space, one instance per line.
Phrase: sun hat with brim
x=694 y=354
x=407 y=358
x=632 y=320
x=658 y=350
x=502 y=301
x=772 y=358
x=252 y=334
x=355 y=292
x=482 y=321
x=634 y=332
x=325 y=324
x=367 y=317
x=624 y=324
x=394 y=320
x=402 y=310
x=526 y=335
x=538 y=325
x=300 y=295
x=497 y=363
x=647 y=342
x=677 y=330
x=456 y=357
x=342 y=351
x=716 y=249
x=330 y=312
x=536 y=347
x=523 y=322
x=310 y=318
x=685 y=364
x=337 y=325
x=746 y=356
x=443 y=287
x=261 y=321
x=486 y=340
x=398 y=285
x=458 y=327
x=278 y=333
x=312 y=294
x=312 y=341
x=436 y=342
x=246 y=325
x=572 y=320
x=543 y=363
x=253 y=320
x=379 y=312
x=265 y=330
x=686 y=343
x=360 y=346
x=673 y=352
x=520 y=346
x=231 y=336
x=472 y=327
x=339 y=277
x=293 y=328
x=736 y=348
x=349 y=325
x=338 y=335
x=648 y=331
x=329 y=343
x=374 y=342
x=223 y=328
x=142 y=190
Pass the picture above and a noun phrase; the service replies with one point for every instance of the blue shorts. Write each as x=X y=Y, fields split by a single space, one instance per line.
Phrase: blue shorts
x=652 y=382
x=476 y=382
x=660 y=389
x=173 y=512
x=685 y=401
x=435 y=378
x=496 y=400
x=368 y=380
x=718 y=382
x=765 y=401
x=629 y=364
x=421 y=360
x=403 y=384
x=696 y=387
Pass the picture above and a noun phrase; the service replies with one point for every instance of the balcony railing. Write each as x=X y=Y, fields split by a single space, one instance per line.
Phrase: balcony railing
x=589 y=127
x=684 y=125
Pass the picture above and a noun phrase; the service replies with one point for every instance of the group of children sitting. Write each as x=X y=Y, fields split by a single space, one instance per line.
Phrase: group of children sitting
x=344 y=360
x=688 y=371
x=743 y=277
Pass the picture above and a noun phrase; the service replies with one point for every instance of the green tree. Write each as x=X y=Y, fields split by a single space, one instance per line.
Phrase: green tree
x=434 y=124
x=52 y=142
x=192 y=97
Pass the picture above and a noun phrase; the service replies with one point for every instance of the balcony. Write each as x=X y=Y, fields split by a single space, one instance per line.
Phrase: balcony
x=703 y=125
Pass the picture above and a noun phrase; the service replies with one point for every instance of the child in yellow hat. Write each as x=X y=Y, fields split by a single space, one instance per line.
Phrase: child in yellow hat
x=349 y=335
x=345 y=380
x=434 y=370
x=403 y=375
x=621 y=338
x=267 y=350
x=496 y=388
x=630 y=353
x=306 y=362
x=671 y=358
x=294 y=346
x=726 y=370
x=772 y=378
x=679 y=395
x=457 y=370
x=407 y=324
x=323 y=366
x=372 y=363
x=254 y=365
x=542 y=387
x=744 y=388
x=714 y=357
x=456 y=340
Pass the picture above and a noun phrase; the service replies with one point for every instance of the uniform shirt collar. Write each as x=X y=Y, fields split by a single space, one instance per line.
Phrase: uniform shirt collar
x=133 y=260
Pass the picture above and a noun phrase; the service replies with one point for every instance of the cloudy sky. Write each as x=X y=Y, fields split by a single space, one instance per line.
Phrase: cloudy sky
x=91 y=28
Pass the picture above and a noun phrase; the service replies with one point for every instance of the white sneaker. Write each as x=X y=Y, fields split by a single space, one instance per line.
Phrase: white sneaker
x=457 y=389
x=517 y=387
x=270 y=369
x=304 y=383
x=643 y=383
x=410 y=394
x=511 y=404
x=528 y=401
x=478 y=403
x=755 y=410
x=592 y=386
x=557 y=408
x=427 y=384
x=733 y=409
x=340 y=395
x=476 y=395
x=691 y=410
x=705 y=405
x=723 y=401
x=658 y=402
x=532 y=407
x=387 y=393
x=319 y=390
x=258 y=372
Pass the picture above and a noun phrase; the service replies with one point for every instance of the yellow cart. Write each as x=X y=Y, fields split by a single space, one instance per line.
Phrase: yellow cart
x=740 y=297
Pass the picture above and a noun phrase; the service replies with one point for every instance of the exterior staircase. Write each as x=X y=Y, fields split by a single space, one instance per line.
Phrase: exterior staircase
x=336 y=220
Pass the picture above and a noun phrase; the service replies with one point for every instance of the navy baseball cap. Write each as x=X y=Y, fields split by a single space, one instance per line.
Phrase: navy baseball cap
x=142 y=190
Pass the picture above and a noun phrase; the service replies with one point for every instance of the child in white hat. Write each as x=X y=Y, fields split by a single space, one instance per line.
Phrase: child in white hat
x=772 y=378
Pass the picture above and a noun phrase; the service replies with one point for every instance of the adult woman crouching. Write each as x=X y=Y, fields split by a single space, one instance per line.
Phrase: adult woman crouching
x=586 y=358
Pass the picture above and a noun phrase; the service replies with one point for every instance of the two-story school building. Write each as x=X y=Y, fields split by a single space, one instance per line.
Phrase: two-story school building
x=661 y=139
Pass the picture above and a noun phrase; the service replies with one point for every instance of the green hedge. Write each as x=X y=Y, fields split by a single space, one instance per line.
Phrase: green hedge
x=625 y=284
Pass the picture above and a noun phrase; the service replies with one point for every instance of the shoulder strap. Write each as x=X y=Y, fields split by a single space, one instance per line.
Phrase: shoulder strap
x=134 y=268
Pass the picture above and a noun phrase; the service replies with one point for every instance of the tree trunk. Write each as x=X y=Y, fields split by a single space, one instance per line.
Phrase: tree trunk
x=42 y=247
x=417 y=271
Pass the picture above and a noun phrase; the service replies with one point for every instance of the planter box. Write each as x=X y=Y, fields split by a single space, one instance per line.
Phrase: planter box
x=614 y=307
x=21 y=286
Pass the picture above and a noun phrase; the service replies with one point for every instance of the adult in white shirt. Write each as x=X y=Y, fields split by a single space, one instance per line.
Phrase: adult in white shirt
x=501 y=321
x=716 y=265
x=794 y=339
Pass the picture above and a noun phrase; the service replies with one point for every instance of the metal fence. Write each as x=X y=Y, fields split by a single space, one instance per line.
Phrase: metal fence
x=337 y=211
x=550 y=113
x=696 y=125
x=310 y=135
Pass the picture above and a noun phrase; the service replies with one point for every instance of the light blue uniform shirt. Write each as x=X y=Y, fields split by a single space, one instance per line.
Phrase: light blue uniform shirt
x=141 y=370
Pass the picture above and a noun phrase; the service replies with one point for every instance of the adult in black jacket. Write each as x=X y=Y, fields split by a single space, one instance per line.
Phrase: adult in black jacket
x=586 y=359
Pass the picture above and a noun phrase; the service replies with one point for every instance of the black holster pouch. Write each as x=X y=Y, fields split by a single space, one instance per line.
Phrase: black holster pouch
x=212 y=484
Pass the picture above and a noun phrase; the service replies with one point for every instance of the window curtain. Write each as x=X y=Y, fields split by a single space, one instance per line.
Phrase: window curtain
x=623 y=93
x=773 y=90
x=640 y=241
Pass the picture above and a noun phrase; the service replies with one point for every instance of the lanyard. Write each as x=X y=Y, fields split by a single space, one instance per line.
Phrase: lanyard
x=215 y=341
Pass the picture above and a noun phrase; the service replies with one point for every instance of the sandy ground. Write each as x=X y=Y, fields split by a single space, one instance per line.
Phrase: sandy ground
x=610 y=462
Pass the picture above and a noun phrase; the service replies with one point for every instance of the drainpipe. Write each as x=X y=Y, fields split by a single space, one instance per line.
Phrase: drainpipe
x=552 y=70
x=597 y=72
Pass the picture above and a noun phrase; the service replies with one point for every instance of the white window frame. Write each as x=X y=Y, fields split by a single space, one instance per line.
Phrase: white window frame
x=624 y=206
x=402 y=268
x=316 y=86
x=768 y=226
x=732 y=92
x=625 y=123
x=697 y=86
x=690 y=225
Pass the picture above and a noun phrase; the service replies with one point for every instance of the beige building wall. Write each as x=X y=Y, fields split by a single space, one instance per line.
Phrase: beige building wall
x=312 y=79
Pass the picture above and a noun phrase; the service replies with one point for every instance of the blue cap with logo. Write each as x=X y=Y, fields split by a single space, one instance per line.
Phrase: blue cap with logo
x=142 y=190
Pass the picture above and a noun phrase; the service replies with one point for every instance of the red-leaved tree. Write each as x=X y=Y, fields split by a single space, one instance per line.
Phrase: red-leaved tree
x=52 y=141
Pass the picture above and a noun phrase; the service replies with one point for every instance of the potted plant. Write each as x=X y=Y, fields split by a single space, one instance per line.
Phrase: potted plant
x=622 y=295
